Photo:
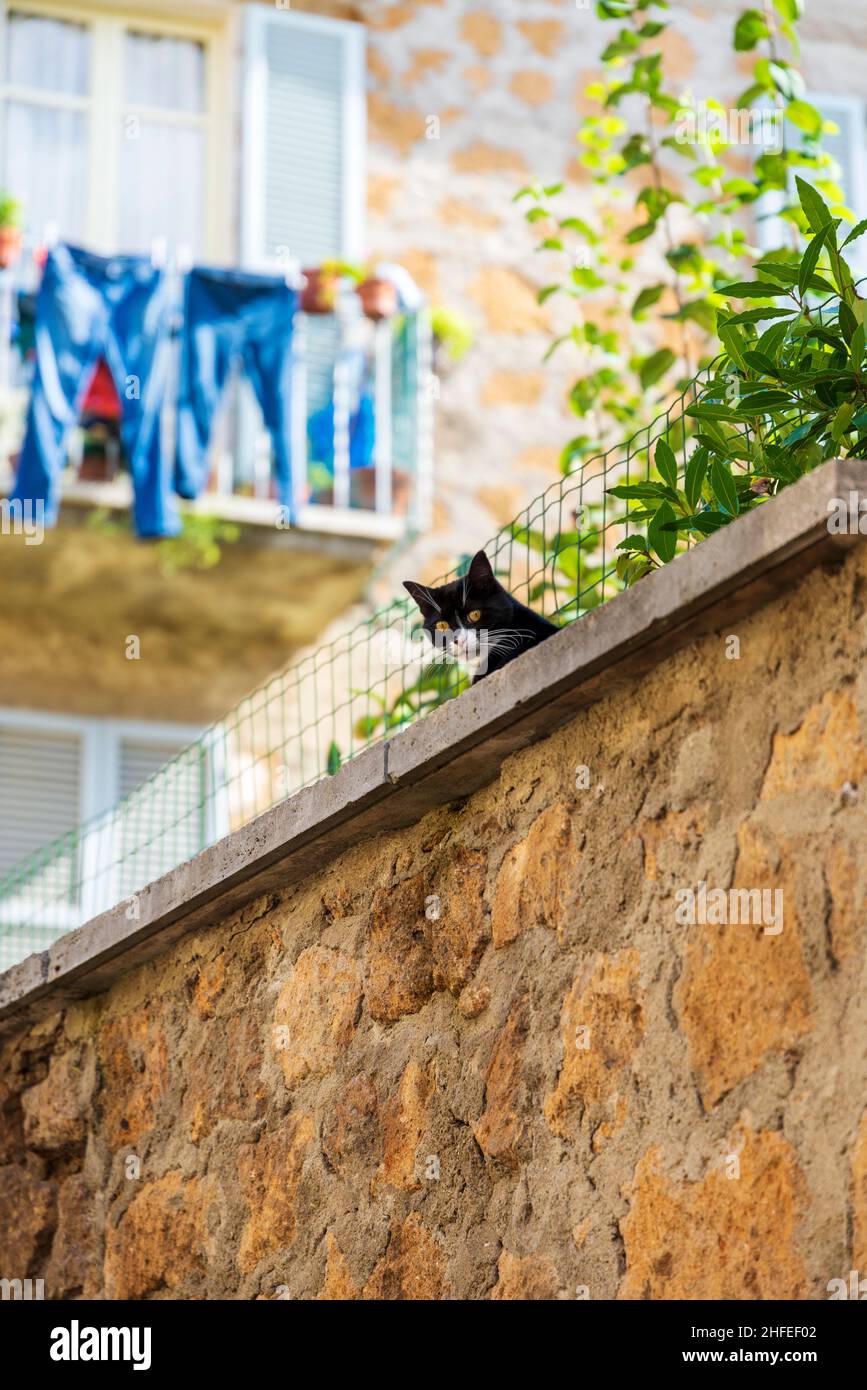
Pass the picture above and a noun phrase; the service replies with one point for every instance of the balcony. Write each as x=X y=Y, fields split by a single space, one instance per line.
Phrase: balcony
x=276 y=588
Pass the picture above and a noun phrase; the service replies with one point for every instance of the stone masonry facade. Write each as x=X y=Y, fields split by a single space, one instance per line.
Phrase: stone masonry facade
x=480 y=1057
x=468 y=100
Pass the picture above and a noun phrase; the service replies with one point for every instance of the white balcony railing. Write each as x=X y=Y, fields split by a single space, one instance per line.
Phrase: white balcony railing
x=339 y=358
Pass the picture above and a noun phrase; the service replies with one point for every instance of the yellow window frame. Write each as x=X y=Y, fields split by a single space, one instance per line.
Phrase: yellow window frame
x=105 y=105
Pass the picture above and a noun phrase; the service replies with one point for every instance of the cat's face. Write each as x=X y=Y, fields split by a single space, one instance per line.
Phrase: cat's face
x=466 y=618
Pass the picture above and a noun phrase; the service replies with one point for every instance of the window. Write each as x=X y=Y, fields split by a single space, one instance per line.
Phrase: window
x=60 y=774
x=849 y=149
x=109 y=130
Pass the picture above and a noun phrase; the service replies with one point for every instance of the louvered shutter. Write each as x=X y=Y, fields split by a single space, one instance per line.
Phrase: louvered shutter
x=161 y=820
x=40 y=788
x=303 y=176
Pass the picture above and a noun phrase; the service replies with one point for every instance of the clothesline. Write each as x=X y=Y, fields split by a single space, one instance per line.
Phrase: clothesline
x=127 y=310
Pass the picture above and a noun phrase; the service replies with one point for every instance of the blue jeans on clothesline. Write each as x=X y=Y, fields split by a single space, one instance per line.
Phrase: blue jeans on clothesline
x=88 y=306
x=231 y=315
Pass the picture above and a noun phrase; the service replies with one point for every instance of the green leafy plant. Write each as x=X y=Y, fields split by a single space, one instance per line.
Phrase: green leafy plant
x=434 y=686
x=199 y=546
x=10 y=210
x=690 y=195
x=453 y=331
x=789 y=391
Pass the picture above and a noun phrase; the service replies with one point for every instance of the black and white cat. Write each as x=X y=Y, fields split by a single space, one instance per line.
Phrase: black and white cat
x=477 y=623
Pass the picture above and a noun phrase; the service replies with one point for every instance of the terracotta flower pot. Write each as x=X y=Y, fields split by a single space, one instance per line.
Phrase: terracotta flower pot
x=10 y=246
x=320 y=291
x=378 y=299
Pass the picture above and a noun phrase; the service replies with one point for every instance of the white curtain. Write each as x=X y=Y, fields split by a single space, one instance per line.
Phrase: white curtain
x=51 y=54
x=45 y=166
x=45 y=147
x=161 y=162
x=164 y=72
x=161 y=186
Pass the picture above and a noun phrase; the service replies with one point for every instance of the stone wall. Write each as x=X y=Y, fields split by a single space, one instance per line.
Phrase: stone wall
x=480 y=1057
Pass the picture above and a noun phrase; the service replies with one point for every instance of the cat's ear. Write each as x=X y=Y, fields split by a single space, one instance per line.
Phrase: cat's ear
x=422 y=596
x=480 y=575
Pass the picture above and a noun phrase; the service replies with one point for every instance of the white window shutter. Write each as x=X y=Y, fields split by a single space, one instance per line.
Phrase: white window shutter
x=304 y=136
x=40 y=780
x=160 y=824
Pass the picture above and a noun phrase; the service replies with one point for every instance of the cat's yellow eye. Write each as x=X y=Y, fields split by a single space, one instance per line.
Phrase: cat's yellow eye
x=442 y=627
x=475 y=615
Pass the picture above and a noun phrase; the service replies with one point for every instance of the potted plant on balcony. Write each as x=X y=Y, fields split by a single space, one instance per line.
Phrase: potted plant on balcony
x=10 y=230
x=378 y=296
x=453 y=336
x=321 y=283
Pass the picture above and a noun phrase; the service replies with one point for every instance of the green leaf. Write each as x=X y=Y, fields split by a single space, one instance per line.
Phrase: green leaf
x=791 y=10
x=805 y=117
x=856 y=347
x=734 y=343
x=750 y=29
x=848 y=321
x=662 y=541
x=666 y=463
x=761 y=363
x=632 y=543
x=857 y=231
x=696 y=471
x=816 y=210
x=643 y=492
x=724 y=489
x=764 y=401
x=752 y=289
x=640 y=233
x=781 y=77
x=756 y=315
x=333 y=760
x=648 y=296
x=842 y=420
x=700 y=311
x=709 y=521
x=655 y=366
x=811 y=257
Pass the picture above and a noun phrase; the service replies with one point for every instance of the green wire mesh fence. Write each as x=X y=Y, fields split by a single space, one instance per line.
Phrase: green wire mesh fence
x=558 y=556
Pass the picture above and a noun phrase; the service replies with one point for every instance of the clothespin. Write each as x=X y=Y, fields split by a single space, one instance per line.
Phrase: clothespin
x=184 y=258
x=159 y=250
x=292 y=274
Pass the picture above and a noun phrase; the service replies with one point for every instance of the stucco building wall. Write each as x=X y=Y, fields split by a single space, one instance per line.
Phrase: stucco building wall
x=481 y=1057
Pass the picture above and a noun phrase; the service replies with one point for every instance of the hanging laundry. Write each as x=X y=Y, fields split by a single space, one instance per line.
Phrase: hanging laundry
x=232 y=315
x=117 y=307
x=362 y=435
